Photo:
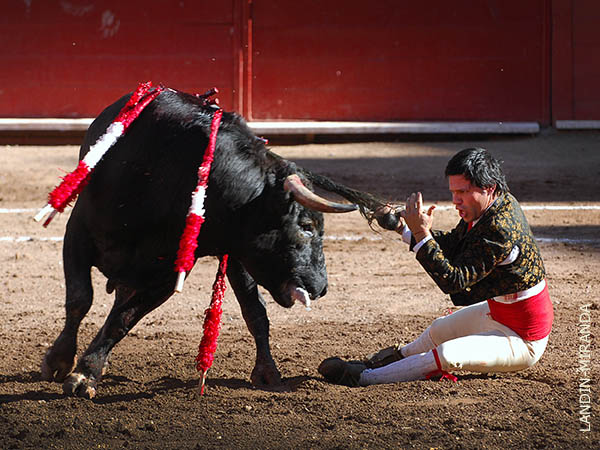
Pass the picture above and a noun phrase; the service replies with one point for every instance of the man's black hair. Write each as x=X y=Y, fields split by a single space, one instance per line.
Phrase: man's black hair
x=479 y=167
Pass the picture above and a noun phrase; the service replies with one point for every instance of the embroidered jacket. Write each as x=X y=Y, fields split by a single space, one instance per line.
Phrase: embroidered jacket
x=466 y=264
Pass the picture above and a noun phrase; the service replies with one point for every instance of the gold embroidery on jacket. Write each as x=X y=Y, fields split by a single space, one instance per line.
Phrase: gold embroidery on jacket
x=466 y=264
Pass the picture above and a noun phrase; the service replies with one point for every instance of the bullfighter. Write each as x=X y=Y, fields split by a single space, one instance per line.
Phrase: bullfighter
x=489 y=264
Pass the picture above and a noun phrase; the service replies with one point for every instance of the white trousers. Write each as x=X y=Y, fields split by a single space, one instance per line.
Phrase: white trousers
x=468 y=339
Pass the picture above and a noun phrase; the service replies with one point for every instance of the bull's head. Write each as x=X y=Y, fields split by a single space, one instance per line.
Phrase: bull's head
x=291 y=264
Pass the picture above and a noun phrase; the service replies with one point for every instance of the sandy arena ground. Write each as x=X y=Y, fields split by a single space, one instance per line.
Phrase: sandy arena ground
x=378 y=295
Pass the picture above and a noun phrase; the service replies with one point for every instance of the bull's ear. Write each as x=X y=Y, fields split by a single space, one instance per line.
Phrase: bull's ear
x=294 y=185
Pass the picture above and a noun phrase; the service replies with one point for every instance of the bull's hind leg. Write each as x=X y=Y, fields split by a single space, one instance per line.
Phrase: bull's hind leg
x=255 y=314
x=129 y=308
x=77 y=254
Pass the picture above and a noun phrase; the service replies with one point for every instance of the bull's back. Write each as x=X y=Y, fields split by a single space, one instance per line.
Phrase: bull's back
x=135 y=203
x=148 y=175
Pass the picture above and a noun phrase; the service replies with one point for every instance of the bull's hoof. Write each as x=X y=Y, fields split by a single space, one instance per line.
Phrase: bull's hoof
x=265 y=375
x=77 y=385
x=53 y=369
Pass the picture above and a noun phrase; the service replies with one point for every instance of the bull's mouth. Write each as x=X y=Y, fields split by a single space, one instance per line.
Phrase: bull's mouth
x=292 y=293
x=301 y=295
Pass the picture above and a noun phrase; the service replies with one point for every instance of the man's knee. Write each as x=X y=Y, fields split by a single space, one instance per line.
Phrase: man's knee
x=440 y=330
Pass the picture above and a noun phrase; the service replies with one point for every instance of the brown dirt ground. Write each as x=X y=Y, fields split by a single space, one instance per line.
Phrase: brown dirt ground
x=378 y=295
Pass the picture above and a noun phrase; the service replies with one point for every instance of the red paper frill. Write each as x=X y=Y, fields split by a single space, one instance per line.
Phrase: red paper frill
x=188 y=243
x=140 y=98
x=212 y=321
x=72 y=184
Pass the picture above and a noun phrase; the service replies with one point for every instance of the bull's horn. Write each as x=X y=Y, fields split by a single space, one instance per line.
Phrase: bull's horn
x=308 y=198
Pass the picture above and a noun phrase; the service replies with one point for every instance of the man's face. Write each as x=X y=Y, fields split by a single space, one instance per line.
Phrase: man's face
x=470 y=200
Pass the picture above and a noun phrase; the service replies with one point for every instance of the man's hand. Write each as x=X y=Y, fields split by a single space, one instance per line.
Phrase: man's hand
x=388 y=217
x=418 y=221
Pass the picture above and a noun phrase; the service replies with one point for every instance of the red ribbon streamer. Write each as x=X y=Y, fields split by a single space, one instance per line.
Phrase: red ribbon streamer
x=212 y=323
x=212 y=142
x=72 y=184
x=136 y=103
x=186 y=257
x=439 y=371
x=188 y=242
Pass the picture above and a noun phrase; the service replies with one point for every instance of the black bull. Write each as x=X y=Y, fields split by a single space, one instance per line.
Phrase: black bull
x=128 y=220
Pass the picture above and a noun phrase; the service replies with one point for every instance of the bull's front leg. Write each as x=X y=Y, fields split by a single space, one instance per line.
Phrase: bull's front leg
x=255 y=314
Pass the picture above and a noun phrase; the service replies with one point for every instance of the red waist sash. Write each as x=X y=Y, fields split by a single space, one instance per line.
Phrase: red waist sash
x=530 y=318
